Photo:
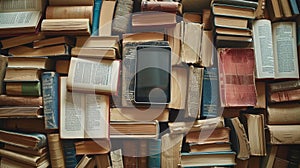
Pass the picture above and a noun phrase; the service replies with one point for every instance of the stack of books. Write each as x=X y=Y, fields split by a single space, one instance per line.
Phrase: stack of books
x=232 y=22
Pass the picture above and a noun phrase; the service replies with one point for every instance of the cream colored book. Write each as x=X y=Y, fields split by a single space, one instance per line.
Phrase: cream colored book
x=94 y=75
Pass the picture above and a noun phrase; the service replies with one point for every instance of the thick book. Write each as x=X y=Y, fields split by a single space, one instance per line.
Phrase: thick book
x=66 y=27
x=194 y=92
x=147 y=20
x=22 y=75
x=239 y=138
x=138 y=114
x=94 y=75
x=209 y=135
x=191 y=46
x=69 y=12
x=51 y=51
x=23 y=88
x=196 y=159
x=179 y=87
x=31 y=62
x=21 y=150
x=283 y=86
x=272 y=45
x=21 y=111
x=172 y=7
x=50 y=41
x=70 y=2
x=92 y=146
x=31 y=141
x=233 y=10
x=55 y=150
x=283 y=134
x=83 y=115
x=256 y=134
x=210 y=106
x=236 y=77
x=69 y=151
x=50 y=99
x=210 y=147
x=229 y=22
x=36 y=161
x=170 y=150
x=287 y=114
x=134 y=129
x=20 y=40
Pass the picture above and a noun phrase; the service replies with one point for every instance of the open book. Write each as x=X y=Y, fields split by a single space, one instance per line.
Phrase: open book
x=12 y=14
x=275 y=49
x=83 y=115
x=94 y=75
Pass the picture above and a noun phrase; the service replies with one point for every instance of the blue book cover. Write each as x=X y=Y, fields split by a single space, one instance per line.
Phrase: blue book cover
x=50 y=99
x=96 y=17
x=69 y=153
x=210 y=94
x=294 y=7
x=154 y=153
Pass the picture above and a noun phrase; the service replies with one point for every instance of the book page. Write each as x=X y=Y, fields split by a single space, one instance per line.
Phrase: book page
x=20 y=5
x=93 y=75
x=285 y=50
x=71 y=113
x=19 y=19
x=96 y=118
x=263 y=48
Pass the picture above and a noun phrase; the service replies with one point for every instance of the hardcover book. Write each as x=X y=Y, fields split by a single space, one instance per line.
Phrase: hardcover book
x=236 y=76
x=50 y=99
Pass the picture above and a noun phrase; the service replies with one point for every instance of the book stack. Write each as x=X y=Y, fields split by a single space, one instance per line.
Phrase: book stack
x=232 y=22
x=282 y=115
x=23 y=149
x=283 y=9
x=210 y=141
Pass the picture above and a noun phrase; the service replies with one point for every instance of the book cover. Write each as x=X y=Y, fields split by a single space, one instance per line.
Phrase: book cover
x=50 y=99
x=3 y=65
x=236 y=77
x=284 y=134
x=55 y=150
x=23 y=88
x=33 y=141
x=283 y=114
x=69 y=153
x=154 y=158
x=96 y=17
x=210 y=105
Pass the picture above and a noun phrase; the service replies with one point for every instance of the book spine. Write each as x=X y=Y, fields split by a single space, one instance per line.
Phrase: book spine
x=294 y=7
x=55 y=150
x=50 y=99
x=23 y=89
x=21 y=101
x=210 y=95
x=69 y=153
x=96 y=17
x=3 y=65
x=154 y=153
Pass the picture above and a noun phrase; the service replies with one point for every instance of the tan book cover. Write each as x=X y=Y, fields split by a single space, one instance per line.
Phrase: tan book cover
x=55 y=150
x=171 y=148
x=20 y=40
x=92 y=146
x=283 y=114
x=31 y=62
x=284 y=134
x=53 y=41
x=3 y=65
x=209 y=135
x=106 y=18
x=24 y=51
x=70 y=2
x=6 y=100
x=139 y=114
x=22 y=74
x=179 y=86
